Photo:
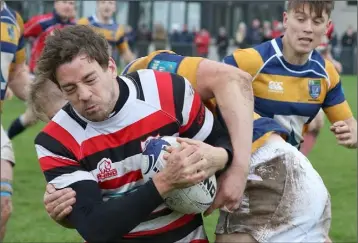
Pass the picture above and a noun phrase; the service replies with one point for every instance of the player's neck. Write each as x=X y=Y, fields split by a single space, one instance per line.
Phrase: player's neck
x=291 y=56
x=117 y=93
x=103 y=20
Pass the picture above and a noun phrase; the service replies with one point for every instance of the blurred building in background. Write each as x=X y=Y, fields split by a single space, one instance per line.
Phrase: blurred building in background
x=195 y=14
x=192 y=16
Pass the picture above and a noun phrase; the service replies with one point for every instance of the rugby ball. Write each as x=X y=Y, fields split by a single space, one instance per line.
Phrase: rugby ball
x=194 y=199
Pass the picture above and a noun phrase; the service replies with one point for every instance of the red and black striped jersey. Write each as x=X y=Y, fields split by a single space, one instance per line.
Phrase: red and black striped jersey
x=72 y=149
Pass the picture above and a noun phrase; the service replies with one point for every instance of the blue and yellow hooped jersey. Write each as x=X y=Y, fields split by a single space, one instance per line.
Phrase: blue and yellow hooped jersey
x=292 y=94
x=113 y=32
x=12 y=44
x=168 y=61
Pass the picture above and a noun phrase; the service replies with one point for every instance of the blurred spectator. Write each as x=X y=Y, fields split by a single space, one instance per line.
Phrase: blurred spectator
x=175 y=36
x=222 y=43
x=144 y=33
x=194 y=31
x=277 y=29
x=144 y=37
x=160 y=37
x=104 y=23
x=40 y=26
x=255 y=33
x=267 y=31
x=131 y=37
x=334 y=39
x=240 y=36
x=202 y=42
x=349 y=38
x=186 y=36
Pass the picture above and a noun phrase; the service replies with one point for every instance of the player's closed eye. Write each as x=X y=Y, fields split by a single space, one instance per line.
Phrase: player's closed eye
x=69 y=90
x=90 y=81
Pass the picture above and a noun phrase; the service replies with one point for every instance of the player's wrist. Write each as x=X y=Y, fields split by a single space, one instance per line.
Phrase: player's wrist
x=162 y=185
x=219 y=157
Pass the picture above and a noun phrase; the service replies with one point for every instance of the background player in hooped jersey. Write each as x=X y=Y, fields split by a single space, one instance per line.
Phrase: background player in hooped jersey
x=103 y=22
x=292 y=81
x=38 y=28
x=99 y=126
x=15 y=75
x=275 y=203
x=310 y=137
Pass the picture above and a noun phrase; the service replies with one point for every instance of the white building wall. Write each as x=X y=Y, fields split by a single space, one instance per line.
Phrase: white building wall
x=344 y=15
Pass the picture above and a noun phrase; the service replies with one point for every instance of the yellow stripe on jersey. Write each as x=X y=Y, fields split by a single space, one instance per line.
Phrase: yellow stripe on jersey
x=248 y=60
x=122 y=44
x=332 y=74
x=20 y=56
x=10 y=33
x=287 y=89
x=188 y=69
x=338 y=112
x=12 y=44
x=83 y=21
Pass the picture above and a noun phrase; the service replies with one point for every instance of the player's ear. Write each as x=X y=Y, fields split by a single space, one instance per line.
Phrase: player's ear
x=328 y=24
x=112 y=67
x=285 y=19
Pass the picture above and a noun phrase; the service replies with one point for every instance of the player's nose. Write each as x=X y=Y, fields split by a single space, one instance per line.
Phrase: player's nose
x=308 y=26
x=84 y=93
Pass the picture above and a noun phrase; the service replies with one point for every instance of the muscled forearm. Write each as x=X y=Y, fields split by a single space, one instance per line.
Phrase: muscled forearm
x=221 y=154
x=234 y=98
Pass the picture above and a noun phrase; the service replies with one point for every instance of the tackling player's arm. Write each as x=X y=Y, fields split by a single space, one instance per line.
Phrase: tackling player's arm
x=198 y=123
x=231 y=87
x=344 y=125
x=19 y=77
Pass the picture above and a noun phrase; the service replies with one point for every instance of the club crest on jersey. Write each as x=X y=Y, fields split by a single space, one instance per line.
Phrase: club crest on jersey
x=314 y=87
x=105 y=169
x=11 y=32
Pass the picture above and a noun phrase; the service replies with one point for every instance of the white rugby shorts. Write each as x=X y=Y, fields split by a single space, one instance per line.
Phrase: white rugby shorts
x=285 y=201
x=7 y=152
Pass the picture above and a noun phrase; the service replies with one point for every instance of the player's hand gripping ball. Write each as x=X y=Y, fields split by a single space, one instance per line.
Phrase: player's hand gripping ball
x=194 y=199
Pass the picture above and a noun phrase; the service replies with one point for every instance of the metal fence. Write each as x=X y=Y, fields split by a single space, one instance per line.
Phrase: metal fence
x=348 y=58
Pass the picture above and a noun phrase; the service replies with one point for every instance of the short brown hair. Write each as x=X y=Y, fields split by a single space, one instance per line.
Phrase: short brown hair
x=63 y=45
x=318 y=6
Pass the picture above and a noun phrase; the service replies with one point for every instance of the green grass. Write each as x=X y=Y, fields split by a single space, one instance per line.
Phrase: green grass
x=30 y=223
